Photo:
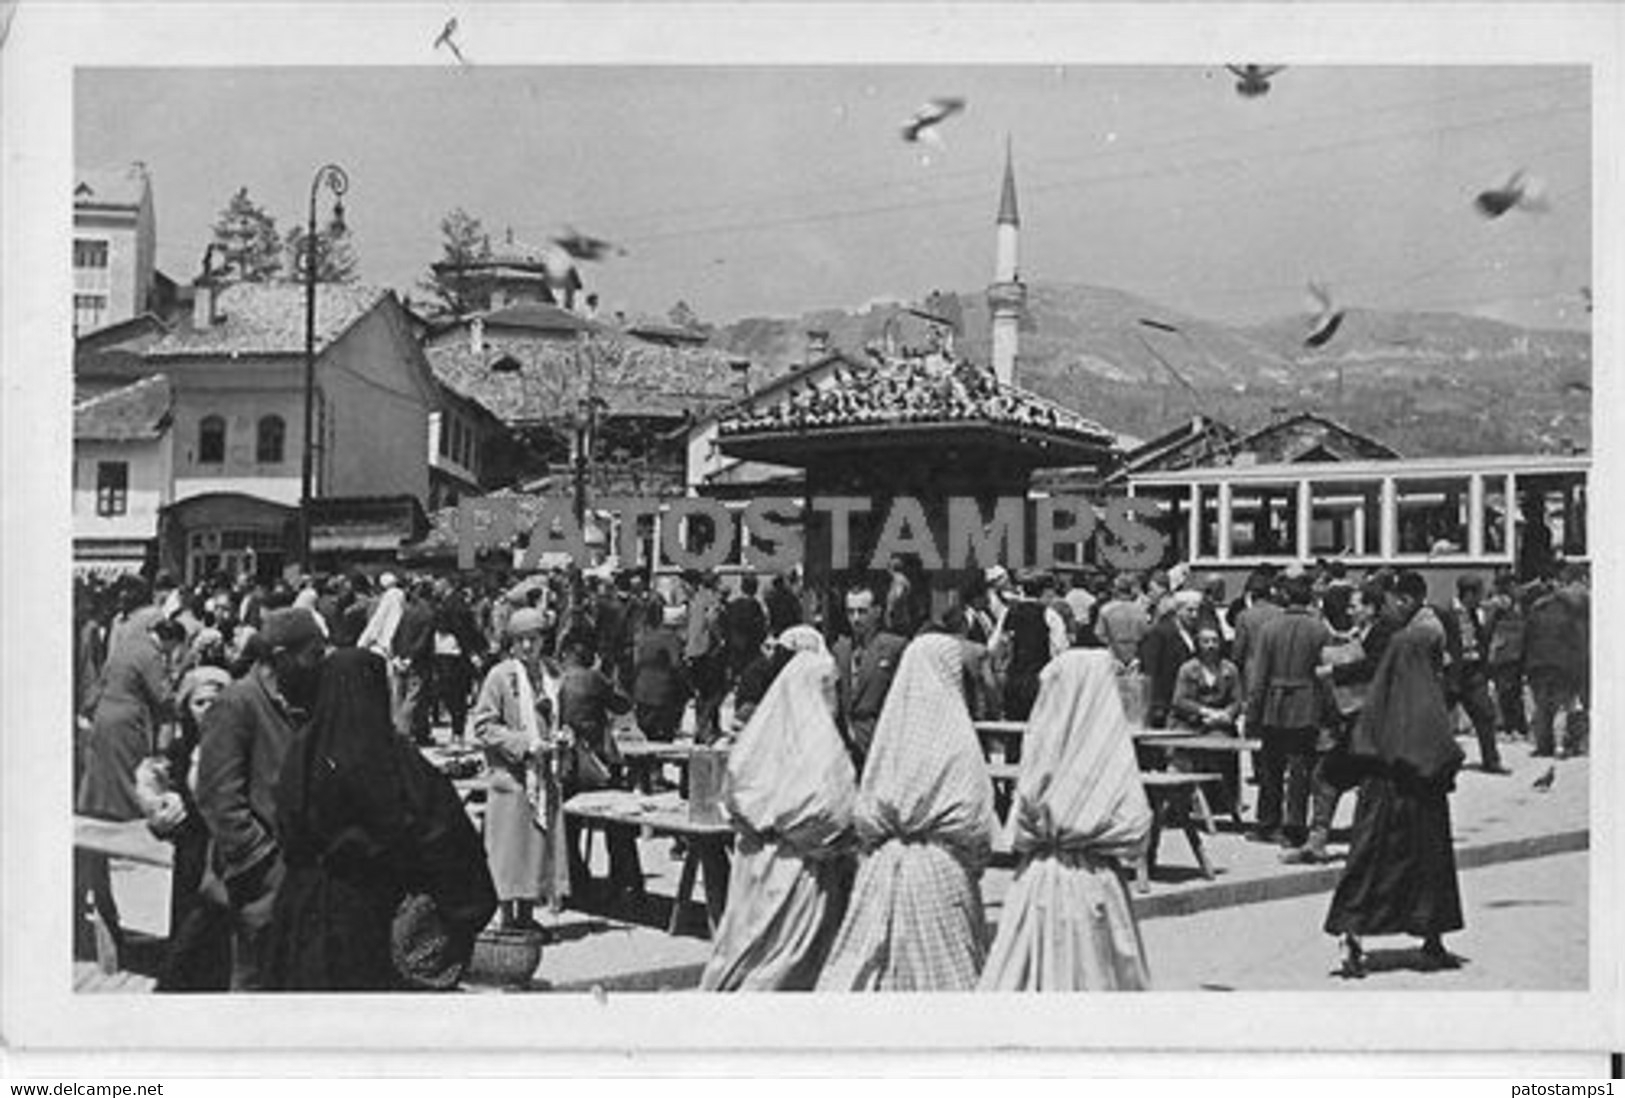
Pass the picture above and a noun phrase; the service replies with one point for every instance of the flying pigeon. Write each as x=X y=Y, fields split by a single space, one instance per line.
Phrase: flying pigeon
x=445 y=39
x=922 y=127
x=591 y=249
x=1544 y=782
x=1254 y=80
x=1327 y=321
x=1518 y=192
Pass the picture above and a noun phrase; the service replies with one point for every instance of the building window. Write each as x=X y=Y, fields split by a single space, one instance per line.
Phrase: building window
x=90 y=253
x=211 y=441
x=89 y=311
x=112 y=488
x=444 y=434
x=268 y=447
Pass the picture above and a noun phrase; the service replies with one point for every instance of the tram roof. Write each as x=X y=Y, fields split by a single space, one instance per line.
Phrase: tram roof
x=1278 y=472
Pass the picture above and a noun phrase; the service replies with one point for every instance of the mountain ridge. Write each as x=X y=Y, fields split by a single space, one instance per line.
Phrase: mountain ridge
x=1426 y=383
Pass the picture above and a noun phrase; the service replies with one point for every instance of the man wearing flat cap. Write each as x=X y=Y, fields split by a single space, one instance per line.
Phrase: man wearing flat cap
x=244 y=737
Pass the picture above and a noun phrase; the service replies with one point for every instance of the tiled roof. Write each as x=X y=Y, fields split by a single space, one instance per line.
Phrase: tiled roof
x=913 y=391
x=1309 y=434
x=538 y=316
x=632 y=378
x=269 y=318
x=111 y=186
x=139 y=411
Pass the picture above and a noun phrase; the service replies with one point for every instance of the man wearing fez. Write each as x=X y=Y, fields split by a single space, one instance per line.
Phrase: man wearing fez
x=243 y=739
x=865 y=661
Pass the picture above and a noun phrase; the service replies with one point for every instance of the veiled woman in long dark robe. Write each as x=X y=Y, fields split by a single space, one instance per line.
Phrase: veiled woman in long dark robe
x=1401 y=872
x=363 y=820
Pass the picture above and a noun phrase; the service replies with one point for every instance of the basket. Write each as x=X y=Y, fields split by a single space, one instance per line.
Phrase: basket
x=505 y=957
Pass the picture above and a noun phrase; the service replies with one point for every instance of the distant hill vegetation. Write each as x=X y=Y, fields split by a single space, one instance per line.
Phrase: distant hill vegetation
x=1425 y=383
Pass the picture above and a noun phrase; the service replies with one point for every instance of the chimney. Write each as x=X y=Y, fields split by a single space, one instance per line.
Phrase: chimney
x=204 y=290
x=741 y=367
x=817 y=344
x=476 y=337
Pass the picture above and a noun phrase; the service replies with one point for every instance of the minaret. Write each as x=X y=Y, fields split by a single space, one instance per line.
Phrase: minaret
x=1007 y=296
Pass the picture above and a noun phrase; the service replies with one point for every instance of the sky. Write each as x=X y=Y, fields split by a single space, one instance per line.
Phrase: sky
x=776 y=190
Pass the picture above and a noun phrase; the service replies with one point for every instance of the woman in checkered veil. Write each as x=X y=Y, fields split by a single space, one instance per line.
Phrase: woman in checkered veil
x=924 y=820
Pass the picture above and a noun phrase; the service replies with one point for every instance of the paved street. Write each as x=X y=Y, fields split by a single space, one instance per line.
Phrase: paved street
x=1526 y=931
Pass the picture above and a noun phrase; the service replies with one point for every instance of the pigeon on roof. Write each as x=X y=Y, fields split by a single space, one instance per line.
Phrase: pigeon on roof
x=1253 y=80
x=922 y=127
x=445 y=39
x=1518 y=192
x=1327 y=320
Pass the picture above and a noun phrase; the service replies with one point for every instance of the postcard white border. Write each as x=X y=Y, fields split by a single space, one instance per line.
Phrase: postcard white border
x=49 y=40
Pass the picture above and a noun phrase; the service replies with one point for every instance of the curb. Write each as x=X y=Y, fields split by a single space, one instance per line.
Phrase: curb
x=1325 y=878
x=1203 y=898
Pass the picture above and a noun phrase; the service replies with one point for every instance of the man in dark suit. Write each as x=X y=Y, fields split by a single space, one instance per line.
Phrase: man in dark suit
x=243 y=739
x=744 y=628
x=1164 y=650
x=1467 y=678
x=1284 y=710
x=865 y=662
x=413 y=651
x=459 y=647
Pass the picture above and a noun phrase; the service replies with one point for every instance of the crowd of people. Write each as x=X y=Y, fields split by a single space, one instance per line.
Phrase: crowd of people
x=272 y=734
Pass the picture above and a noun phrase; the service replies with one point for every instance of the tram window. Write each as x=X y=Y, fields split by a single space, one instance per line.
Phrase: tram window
x=1347 y=518
x=1432 y=516
x=1494 y=518
x=1208 y=527
x=1552 y=520
x=1264 y=520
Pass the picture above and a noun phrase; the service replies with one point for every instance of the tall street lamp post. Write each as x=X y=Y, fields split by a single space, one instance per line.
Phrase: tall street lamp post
x=335 y=179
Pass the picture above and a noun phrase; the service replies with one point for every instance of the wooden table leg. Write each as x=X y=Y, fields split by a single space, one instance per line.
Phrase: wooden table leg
x=1194 y=799
x=714 y=869
x=685 y=886
x=1149 y=862
x=1203 y=812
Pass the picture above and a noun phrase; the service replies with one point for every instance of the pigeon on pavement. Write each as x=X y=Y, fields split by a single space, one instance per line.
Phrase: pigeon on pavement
x=1544 y=782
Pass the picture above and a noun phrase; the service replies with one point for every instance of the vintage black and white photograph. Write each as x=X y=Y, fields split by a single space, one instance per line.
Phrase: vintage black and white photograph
x=631 y=526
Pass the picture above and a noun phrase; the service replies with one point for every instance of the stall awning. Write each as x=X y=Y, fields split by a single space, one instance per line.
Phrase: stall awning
x=365 y=524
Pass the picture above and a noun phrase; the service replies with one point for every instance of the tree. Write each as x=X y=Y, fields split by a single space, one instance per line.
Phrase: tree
x=250 y=247
x=335 y=255
x=463 y=240
x=682 y=315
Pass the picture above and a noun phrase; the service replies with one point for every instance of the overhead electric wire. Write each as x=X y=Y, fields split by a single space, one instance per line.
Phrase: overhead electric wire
x=1315 y=121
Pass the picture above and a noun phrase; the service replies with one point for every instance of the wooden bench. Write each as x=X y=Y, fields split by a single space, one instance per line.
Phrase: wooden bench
x=1175 y=798
x=1175 y=740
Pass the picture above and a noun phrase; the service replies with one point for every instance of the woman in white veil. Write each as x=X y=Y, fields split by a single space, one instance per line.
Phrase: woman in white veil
x=1081 y=816
x=789 y=792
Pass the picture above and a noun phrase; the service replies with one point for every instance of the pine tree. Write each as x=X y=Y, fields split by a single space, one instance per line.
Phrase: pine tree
x=335 y=255
x=462 y=240
x=249 y=245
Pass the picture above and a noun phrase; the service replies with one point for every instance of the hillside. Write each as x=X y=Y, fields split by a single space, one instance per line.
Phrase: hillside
x=1425 y=383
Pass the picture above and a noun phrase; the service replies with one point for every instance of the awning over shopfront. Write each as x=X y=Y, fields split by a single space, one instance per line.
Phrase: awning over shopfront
x=365 y=526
